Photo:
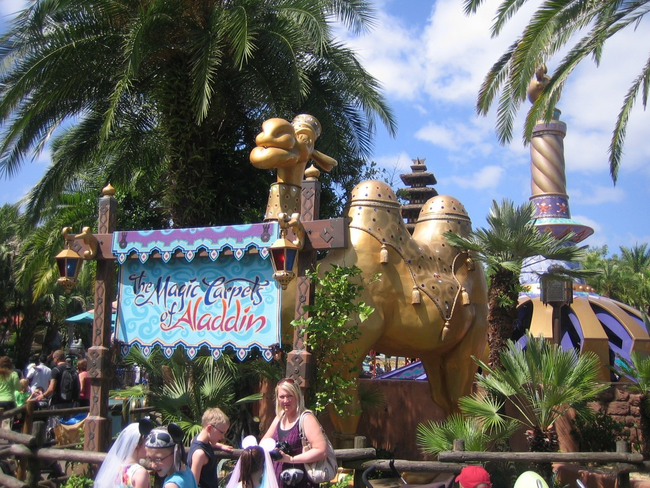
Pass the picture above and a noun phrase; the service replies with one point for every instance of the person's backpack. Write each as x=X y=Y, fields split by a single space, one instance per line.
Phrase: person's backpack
x=69 y=390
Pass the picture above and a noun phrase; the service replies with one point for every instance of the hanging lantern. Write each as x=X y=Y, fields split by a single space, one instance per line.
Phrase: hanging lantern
x=69 y=263
x=284 y=254
x=555 y=290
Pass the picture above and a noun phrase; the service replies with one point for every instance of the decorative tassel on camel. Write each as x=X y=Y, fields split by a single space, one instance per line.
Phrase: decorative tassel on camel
x=445 y=330
x=416 y=297
x=383 y=255
x=465 y=295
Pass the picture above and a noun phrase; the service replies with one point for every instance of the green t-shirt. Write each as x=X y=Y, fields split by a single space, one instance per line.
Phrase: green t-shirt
x=8 y=386
x=21 y=397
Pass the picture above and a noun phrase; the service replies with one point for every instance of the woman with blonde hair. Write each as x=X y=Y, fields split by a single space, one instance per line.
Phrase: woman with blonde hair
x=285 y=429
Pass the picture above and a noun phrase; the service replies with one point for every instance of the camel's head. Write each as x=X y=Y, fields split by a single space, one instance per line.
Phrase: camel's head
x=537 y=84
x=282 y=144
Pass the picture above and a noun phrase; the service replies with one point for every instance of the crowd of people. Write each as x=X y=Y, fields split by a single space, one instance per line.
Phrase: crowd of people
x=55 y=383
x=277 y=462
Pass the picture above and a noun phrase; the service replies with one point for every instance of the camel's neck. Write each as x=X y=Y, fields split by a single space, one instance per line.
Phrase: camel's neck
x=283 y=198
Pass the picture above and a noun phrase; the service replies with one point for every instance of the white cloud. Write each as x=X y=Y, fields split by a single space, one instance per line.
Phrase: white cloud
x=439 y=135
x=586 y=151
x=597 y=194
x=389 y=53
x=487 y=177
x=455 y=136
x=397 y=162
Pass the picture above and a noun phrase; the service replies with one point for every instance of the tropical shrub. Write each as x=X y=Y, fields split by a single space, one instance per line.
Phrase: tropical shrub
x=332 y=322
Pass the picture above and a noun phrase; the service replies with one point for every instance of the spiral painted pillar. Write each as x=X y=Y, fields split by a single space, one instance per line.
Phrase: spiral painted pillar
x=548 y=180
x=548 y=176
x=547 y=158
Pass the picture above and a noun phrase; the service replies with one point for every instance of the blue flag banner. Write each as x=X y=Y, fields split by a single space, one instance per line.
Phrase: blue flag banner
x=217 y=293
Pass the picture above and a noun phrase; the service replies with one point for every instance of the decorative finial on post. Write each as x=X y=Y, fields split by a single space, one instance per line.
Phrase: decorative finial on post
x=312 y=173
x=108 y=190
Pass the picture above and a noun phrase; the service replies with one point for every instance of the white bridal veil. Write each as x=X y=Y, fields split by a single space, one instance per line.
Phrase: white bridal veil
x=268 y=477
x=118 y=454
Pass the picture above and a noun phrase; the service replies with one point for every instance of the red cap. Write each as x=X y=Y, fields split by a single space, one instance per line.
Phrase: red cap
x=472 y=476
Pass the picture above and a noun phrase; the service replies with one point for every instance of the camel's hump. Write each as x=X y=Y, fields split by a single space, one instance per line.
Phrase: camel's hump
x=374 y=192
x=443 y=207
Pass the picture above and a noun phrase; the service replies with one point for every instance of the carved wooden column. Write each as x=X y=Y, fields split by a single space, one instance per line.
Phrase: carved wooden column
x=97 y=433
x=300 y=362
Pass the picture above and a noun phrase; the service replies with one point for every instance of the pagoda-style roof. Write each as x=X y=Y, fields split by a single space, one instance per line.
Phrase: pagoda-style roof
x=421 y=179
x=417 y=191
x=420 y=192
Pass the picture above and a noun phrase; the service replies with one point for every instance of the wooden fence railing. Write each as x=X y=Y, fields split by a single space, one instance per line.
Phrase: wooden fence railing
x=30 y=450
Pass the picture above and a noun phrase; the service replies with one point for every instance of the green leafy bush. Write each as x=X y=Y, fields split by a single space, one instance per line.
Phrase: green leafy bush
x=598 y=432
x=331 y=325
x=77 y=481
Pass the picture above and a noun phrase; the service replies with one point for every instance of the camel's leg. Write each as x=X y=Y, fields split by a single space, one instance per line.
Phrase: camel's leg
x=356 y=351
x=451 y=374
x=433 y=366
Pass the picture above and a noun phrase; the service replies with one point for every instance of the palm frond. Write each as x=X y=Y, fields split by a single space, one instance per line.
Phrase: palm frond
x=541 y=382
x=642 y=82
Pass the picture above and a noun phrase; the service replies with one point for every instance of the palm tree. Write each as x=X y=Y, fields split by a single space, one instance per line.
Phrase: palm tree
x=540 y=383
x=436 y=437
x=551 y=29
x=637 y=257
x=9 y=243
x=636 y=260
x=175 y=92
x=625 y=278
x=180 y=390
x=510 y=239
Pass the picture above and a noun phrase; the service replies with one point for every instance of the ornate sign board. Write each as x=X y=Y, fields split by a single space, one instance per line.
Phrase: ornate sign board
x=224 y=299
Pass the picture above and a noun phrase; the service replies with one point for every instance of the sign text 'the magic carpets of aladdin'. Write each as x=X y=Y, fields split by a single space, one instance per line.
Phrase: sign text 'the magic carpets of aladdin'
x=222 y=300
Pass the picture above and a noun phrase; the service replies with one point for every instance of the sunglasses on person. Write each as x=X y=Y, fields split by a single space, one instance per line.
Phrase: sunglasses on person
x=291 y=381
x=223 y=433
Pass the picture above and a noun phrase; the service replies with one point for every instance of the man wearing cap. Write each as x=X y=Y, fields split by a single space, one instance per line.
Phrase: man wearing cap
x=474 y=477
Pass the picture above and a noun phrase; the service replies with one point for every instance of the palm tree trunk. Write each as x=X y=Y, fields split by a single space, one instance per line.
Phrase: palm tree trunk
x=26 y=329
x=543 y=441
x=503 y=296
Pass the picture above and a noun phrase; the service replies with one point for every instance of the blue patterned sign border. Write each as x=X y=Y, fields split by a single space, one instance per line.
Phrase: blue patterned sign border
x=238 y=238
x=196 y=303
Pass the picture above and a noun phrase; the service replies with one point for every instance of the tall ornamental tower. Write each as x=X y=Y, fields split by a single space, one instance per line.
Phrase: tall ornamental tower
x=548 y=177
x=418 y=191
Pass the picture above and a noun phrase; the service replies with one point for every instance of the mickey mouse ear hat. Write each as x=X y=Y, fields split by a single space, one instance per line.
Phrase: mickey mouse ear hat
x=163 y=437
x=268 y=477
x=159 y=438
x=145 y=426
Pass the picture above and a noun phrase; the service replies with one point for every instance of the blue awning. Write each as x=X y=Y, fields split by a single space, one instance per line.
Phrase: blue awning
x=86 y=318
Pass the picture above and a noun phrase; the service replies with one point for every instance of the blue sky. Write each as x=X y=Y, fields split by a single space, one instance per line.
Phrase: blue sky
x=431 y=59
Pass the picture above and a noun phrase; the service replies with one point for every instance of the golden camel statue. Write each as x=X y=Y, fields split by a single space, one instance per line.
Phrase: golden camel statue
x=431 y=300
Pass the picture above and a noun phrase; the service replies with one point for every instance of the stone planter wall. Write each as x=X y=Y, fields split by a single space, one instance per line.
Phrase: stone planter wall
x=621 y=405
x=625 y=407
x=394 y=426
